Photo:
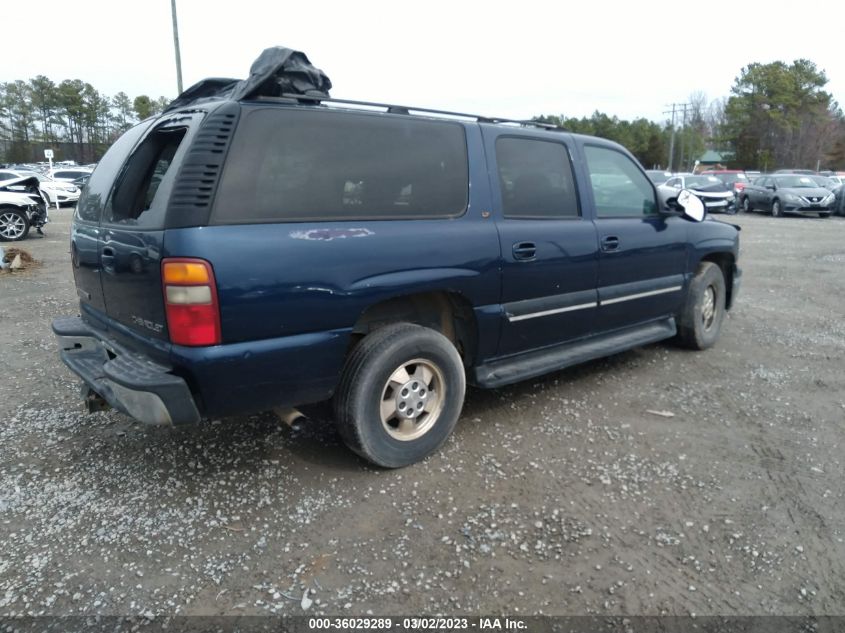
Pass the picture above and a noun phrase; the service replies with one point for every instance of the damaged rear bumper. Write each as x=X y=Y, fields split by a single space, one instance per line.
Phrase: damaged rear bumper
x=129 y=382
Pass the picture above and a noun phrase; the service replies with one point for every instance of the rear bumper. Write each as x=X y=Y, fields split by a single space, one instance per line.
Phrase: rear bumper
x=129 y=382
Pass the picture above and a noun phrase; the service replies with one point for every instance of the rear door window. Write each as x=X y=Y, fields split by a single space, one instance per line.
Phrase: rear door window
x=295 y=165
x=535 y=178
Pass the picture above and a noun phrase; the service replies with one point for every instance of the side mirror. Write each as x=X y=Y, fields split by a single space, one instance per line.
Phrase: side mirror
x=691 y=205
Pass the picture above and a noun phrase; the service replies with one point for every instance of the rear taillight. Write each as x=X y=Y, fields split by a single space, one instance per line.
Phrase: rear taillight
x=190 y=299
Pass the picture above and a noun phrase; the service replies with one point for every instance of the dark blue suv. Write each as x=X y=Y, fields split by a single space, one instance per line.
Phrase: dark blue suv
x=233 y=256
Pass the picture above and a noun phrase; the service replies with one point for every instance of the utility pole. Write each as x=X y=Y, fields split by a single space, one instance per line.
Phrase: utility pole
x=176 y=47
x=674 y=106
x=672 y=139
x=683 y=136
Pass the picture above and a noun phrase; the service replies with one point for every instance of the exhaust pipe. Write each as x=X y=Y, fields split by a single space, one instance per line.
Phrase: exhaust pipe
x=289 y=416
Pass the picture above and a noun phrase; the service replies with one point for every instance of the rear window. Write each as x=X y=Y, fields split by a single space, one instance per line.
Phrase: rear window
x=96 y=191
x=287 y=166
x=133 y=201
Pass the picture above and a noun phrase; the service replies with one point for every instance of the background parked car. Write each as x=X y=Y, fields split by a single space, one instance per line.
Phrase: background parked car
x=839 y=202
x=828 y=183
x=717 y=196
x=71 y=174
x=22 y=206
x=806 y=172
x=733 y=178
x=55 y=191
x=787 y=193
x=80 y=182
x=658 y=176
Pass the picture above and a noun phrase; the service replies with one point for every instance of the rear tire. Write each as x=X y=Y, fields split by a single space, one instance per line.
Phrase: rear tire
x=400 y=394
x=14 y=225
x=777 y=210
x=700 y=321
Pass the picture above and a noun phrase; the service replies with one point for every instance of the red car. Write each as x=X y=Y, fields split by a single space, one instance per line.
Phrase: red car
x=734 y=178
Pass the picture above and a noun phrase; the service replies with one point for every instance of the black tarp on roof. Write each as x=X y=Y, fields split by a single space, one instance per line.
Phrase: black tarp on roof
x=276 y=71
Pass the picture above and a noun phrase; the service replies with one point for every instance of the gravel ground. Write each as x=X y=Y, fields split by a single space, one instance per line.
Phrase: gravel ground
x=563 y=495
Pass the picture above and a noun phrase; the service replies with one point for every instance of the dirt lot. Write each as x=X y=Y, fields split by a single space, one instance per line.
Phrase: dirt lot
x=557 y=496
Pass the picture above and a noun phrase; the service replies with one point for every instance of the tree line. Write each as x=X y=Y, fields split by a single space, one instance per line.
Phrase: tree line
x=72 y=115
x=777 y=115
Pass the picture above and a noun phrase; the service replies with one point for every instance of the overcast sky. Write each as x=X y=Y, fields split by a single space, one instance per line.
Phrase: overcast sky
x=509 y=59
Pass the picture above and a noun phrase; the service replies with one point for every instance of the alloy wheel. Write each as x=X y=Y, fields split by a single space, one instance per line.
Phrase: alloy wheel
x=12 y=226
x=412 y=399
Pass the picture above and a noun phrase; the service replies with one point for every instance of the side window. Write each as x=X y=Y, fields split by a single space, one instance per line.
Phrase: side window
x=536 y=180
x=303 y=165
x=94 y=195
x=673 y=182
x=135 y=193
x=620 y=189
x=6 y=176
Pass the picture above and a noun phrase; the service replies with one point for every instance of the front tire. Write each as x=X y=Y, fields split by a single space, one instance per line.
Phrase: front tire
x=746 y=205
x=777 y=210
x=824 y=215
x=700 y=321
x=14 y=225
x=400 y=394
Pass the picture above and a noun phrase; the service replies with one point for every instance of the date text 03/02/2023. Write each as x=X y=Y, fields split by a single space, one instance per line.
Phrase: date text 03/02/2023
x=492 y=623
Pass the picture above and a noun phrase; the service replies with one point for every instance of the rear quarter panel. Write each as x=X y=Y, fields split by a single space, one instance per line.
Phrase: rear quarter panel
x=290 y=293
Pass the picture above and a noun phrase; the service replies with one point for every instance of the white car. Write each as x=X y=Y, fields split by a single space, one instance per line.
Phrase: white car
x=57 y=192
x=21 y=210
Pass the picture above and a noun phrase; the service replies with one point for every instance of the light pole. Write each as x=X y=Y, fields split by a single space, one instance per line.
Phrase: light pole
x=176 y=47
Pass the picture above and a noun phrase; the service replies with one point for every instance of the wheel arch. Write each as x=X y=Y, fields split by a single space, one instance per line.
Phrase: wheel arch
x=726 y=262
x=445 y=311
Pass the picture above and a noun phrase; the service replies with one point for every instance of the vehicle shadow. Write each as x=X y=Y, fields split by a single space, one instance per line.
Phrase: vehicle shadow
x=249 y=443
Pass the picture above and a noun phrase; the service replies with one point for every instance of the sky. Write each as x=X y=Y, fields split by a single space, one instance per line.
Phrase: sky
x=514 y=60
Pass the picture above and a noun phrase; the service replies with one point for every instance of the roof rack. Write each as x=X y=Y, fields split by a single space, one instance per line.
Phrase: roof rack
x=401 y=109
